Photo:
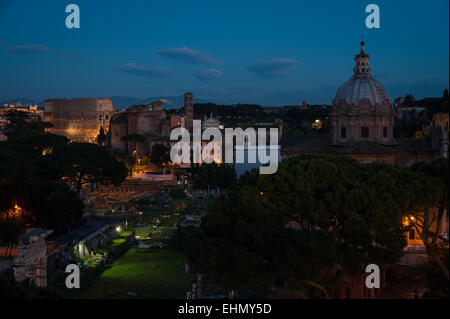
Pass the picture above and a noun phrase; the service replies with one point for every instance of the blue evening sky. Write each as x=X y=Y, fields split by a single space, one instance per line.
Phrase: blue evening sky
x=268 y=52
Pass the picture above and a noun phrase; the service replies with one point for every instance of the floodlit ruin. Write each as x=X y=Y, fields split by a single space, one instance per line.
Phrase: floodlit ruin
x=79 y=119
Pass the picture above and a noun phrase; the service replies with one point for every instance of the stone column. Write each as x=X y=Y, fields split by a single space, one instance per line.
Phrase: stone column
x=41 y=272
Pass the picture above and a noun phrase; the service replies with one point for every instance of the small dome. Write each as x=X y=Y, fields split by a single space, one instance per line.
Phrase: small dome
x=362 y=87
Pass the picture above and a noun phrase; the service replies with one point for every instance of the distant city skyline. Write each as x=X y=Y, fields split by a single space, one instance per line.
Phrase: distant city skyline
x=268 y=53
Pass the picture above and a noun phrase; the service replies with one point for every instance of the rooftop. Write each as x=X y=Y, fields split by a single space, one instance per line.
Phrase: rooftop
x=91 y=228
x=321 y=144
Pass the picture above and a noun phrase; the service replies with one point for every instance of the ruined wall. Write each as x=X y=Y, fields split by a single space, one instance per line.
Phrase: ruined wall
x=139 y=119
x=117 y=131
x=79 y=119
x=31 y=262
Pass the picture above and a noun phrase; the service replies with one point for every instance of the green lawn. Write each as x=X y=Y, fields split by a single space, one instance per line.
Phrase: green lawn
x=125 y=234
x=153 y=273
x=117 y=242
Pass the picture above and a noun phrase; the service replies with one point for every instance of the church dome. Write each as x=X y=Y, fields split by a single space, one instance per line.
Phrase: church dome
x=362 y=85
x=362 y=110
x=358 y=88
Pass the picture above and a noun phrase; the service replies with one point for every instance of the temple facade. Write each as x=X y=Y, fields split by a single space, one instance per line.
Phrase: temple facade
x=148 y=122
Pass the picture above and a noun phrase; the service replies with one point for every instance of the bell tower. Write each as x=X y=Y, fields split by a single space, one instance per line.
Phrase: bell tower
x=189 y=110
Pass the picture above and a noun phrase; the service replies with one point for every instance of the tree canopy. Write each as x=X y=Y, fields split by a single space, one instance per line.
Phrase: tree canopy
x=37 y=171
x=160 y=155
x=29 y=197
x=79 y=163
x=317 y=221
x=215 y=175
x=22 y=130
x=428 y=225
x=101 y=137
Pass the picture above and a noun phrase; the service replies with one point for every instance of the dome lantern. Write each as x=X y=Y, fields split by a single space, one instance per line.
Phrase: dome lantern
x=362 y=67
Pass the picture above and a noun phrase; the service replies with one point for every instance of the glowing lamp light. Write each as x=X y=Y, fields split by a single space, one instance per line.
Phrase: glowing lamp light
x=118 y=229
x=16 y=212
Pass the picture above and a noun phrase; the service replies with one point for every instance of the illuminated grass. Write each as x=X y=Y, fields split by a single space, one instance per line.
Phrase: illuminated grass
x=117 y=242
x=157 y=273
x=125 y=234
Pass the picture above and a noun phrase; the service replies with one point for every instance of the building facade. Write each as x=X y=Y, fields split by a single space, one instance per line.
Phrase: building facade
x=148 y=122
x=153 y=123
x=362 y=109
x=362 y=122
x=33 y=112
x=79 y=119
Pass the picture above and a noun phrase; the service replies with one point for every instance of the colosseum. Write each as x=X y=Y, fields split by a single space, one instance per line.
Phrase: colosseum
x=79 y=119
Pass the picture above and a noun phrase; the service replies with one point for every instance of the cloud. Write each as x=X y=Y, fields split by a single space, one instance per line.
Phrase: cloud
x=189 y=56
x=273 y=68
x=146 y=71
x=28 y=48
x=2 y=42
x=208 y=75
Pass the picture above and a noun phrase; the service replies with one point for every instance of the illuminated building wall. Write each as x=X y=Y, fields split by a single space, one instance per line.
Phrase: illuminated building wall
x=79 y=119
x=138 y=119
